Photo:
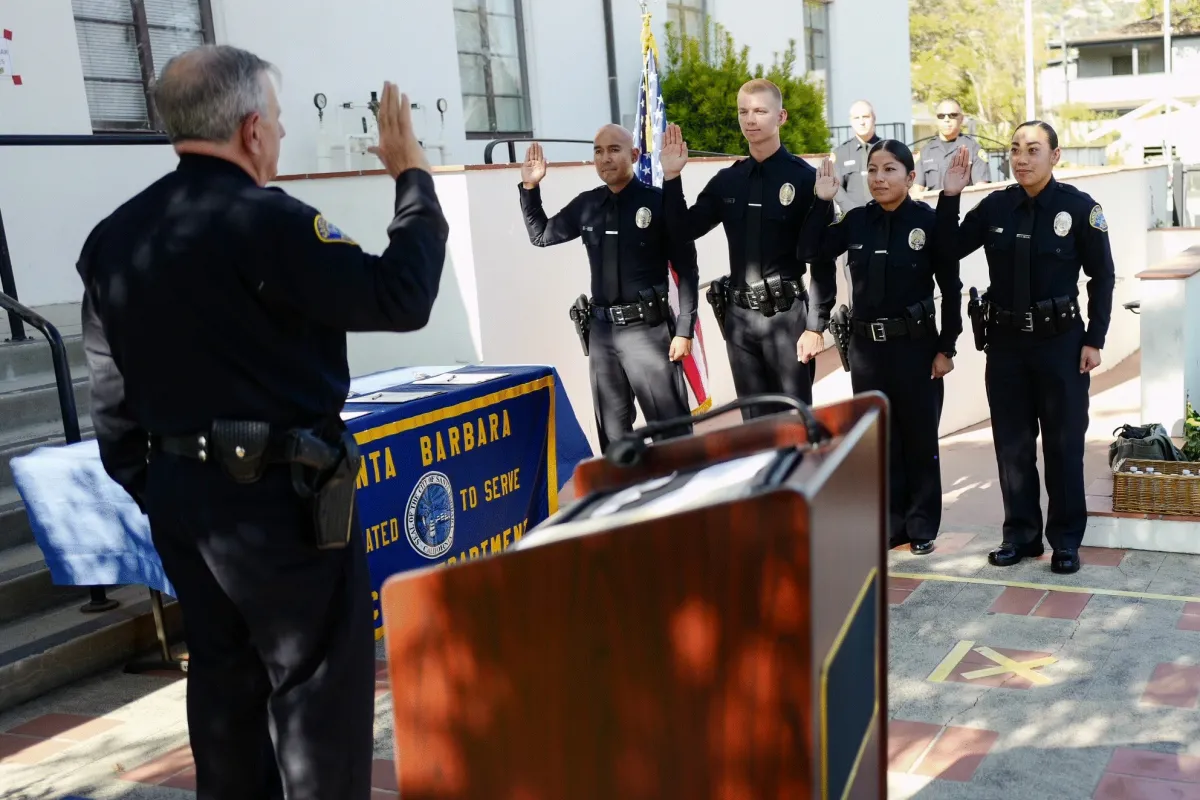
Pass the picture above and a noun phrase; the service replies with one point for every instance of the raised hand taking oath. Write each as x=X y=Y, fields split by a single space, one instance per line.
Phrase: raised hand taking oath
x=534 y=168
x=958 y=176
x=674 y=155
x=827 y=181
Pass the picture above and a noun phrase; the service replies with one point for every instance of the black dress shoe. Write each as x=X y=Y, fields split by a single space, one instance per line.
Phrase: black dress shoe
x=921 y=547
x=1010 y=553
x=1065 y=562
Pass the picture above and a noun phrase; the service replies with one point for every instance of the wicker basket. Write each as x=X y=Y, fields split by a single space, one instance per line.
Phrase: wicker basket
x=1165 y=491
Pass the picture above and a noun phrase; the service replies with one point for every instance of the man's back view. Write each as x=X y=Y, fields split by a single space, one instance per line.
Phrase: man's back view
x=215 y=318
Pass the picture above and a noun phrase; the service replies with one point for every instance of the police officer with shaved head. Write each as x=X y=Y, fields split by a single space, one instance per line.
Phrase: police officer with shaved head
x=773 y=324
x=937 y=154
x=1038 y=235
x=215 y=315
x=633 y=235
x=850 y=158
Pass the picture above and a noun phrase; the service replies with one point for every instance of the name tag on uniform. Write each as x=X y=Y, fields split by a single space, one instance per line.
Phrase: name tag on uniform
x=849 y=163
x=588 y=228
x=996 y=230
x=856 y=247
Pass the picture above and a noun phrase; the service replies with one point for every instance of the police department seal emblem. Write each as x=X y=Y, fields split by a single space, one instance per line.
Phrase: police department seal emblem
x=429 y=515
x=787 y=193
x=1096 y=219
x=916 y=239
x=643 y=217
x=1062 y=223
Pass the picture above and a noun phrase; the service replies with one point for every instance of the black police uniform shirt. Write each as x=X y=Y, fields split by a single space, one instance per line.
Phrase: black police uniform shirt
x=850 y=161
x=651 y=232
x=937 y=155
x=208 y=297
x=788 y=184
x=921 y=248
x=1069 y=233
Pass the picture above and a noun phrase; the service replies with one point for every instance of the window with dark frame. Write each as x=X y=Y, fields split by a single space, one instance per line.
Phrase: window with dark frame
x=816 y=34
x=688 y=16
x=124 y=44
x=491 y=63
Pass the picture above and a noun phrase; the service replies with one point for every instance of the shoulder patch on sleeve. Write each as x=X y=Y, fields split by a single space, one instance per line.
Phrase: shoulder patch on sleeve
x=841 y=215
x=1096 y=219
x=329 y=233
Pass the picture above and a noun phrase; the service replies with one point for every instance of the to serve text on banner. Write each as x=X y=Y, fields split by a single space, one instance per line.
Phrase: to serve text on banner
x=458 y=483
x=648 y=133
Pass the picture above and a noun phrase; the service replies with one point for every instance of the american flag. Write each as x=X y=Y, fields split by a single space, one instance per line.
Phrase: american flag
x=648 y=132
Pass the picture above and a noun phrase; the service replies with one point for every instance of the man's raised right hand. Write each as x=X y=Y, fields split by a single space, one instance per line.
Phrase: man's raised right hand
x=398 y=147
x=534 y=168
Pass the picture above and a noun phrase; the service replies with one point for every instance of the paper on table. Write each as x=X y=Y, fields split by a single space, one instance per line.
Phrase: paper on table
x=460 y=378
x=349 y=415
x=392 y=397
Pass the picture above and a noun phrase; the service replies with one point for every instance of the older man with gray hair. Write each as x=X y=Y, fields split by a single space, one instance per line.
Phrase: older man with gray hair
x=215 y=314
x=850 y=158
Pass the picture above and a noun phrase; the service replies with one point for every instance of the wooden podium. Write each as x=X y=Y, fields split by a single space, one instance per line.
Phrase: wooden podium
x=709 y=623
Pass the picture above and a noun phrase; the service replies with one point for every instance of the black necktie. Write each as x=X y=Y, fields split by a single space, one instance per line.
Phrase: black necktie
x=1021 y=271
x=754 y=226
x=610 y=249
x=878 y=265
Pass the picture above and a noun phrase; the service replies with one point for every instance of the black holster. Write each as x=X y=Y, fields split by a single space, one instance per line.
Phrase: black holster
x=718 y=298
x=978 y=317
x=839 y=326
x=581 y=315
x=326 y=476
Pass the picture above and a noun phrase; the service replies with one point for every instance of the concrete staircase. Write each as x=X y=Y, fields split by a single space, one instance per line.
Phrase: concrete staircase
x=46 y=640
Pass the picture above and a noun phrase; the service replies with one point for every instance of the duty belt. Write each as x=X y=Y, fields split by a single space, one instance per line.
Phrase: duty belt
x=917 y=322
x=246 y=447
x=747 y=298
x=1047 y=317
x=620 y=315
x=881 y=330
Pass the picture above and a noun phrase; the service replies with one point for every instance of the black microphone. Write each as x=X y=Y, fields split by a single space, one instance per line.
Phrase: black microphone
x=627 y=450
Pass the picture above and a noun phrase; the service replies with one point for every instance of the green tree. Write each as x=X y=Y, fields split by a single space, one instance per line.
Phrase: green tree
x=973 y=51
x=1179 y=9
x=701 y=78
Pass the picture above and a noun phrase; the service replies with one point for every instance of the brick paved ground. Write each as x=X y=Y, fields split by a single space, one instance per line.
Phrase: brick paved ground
x=1012 y=684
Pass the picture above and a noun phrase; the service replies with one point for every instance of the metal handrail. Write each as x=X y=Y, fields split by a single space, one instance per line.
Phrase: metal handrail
x=66 y=404
x=512 y=150
x=77 y=140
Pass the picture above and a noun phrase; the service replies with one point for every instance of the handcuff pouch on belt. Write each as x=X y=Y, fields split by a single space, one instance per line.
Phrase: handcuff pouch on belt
x=718 y=297
x=326 y=476
x=240 y=447
x=921 y=318
x=651 y=307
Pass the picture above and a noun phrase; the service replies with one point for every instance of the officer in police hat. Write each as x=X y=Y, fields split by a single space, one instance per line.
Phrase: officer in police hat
x=633 y=234
x=1038 y=235
x=215 y=314
x=936 y=155
x=773 y=325
x=850 y=158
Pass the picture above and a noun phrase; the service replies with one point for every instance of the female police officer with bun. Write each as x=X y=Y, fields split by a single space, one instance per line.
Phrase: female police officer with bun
x=896 y=251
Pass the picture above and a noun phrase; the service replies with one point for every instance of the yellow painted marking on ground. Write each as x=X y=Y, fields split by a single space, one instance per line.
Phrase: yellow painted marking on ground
x=1025 y=669
x=948 y=664
x=1047 y=587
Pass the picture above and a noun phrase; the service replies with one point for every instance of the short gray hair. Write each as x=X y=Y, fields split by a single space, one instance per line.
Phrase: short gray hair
x=206 y=93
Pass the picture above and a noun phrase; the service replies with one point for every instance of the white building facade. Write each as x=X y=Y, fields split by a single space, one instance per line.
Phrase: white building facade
x=479 y=70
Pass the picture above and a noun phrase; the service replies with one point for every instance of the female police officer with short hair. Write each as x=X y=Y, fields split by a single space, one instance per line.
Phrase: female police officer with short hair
x=896 y=251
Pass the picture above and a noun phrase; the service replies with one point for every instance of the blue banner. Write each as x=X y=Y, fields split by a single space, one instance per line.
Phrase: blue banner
x=460 y=482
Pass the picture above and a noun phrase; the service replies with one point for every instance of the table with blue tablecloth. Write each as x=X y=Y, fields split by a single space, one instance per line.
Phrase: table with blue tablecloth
x=457 y=463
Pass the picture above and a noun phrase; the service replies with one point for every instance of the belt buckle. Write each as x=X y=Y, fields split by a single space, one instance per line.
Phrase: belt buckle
x=618 y=315
x=878 y=332
x=1028 y=326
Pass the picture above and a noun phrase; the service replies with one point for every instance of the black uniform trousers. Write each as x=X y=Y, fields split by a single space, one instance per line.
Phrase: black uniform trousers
x=281 y=681
x=900 y=369
x=1035 y=383
x=762 y=354
x=631 y=361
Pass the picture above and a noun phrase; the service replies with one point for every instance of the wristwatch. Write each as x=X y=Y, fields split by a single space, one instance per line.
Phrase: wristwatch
x=949 y=353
